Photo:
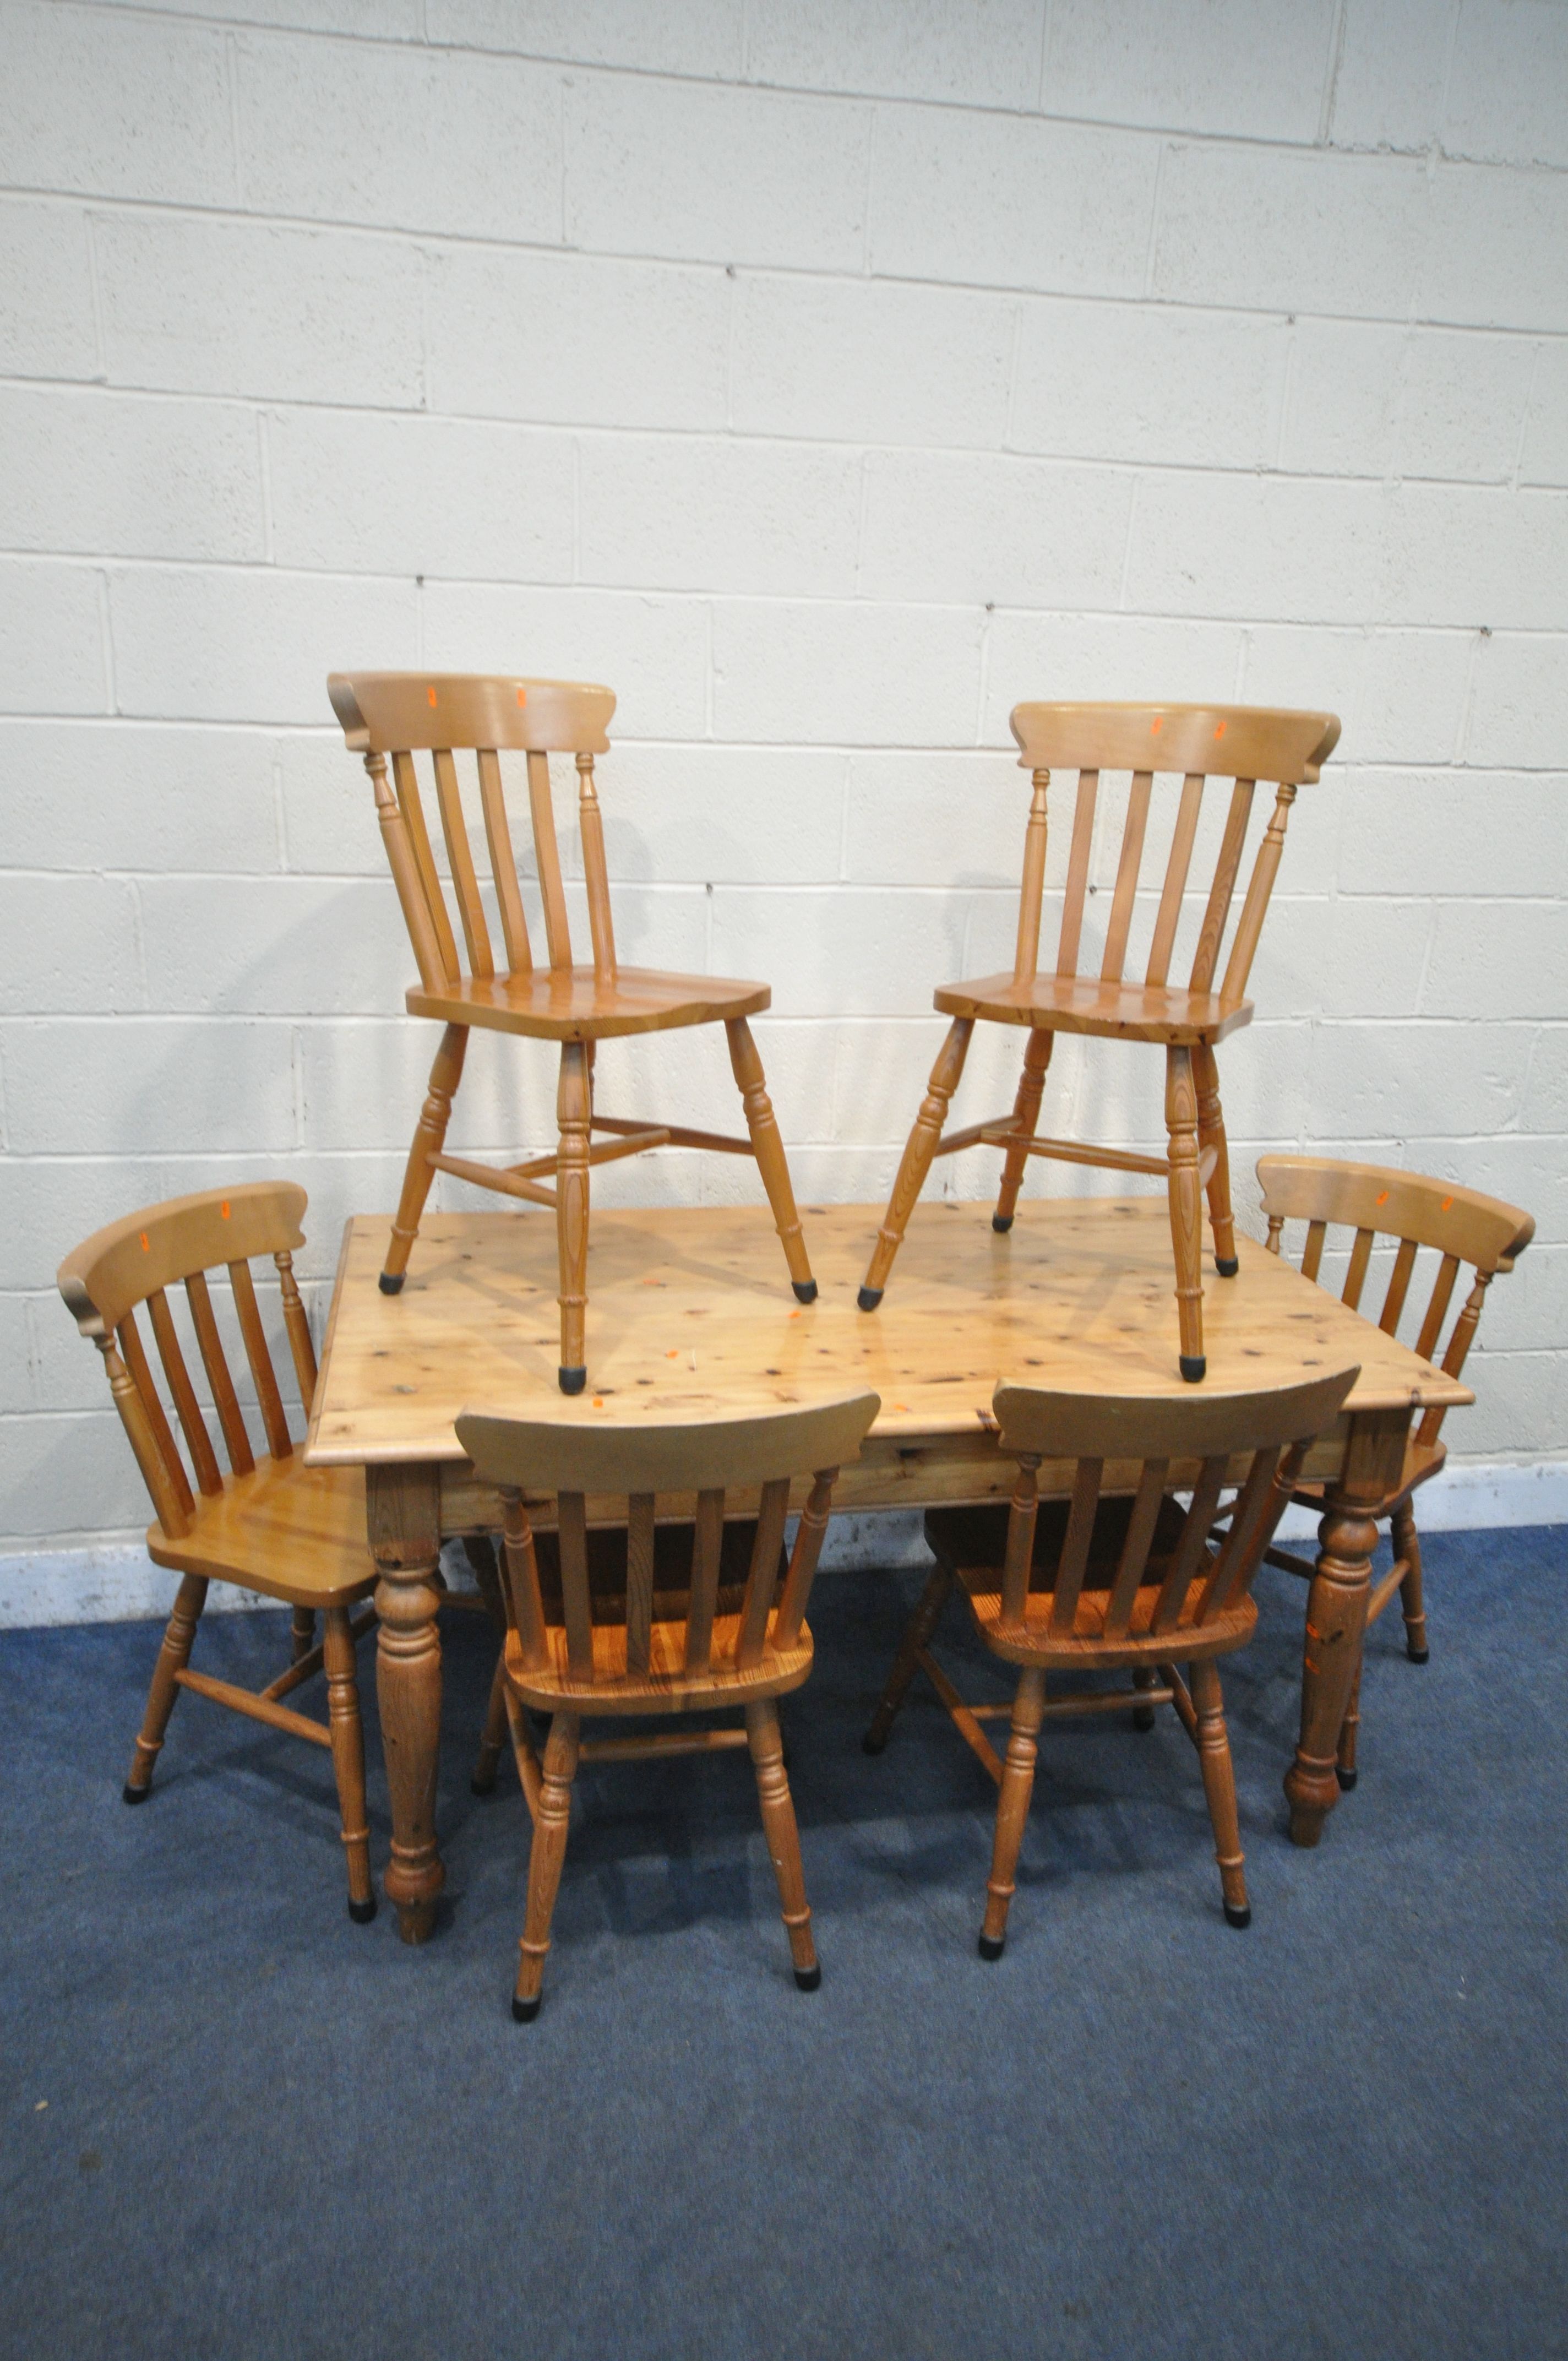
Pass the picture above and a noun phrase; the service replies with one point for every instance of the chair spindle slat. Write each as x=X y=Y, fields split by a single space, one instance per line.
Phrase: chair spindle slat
x=576 y=1606
x=761 y=1579
x=297 y=1323
x=1027 y=957
x=171 y=1513
x=547 y=855
x=141 y=1377
x=1255 y=909
x=522 y=1577
x=1188 y=1555
x=1437 y=1310
x=1133 y=834
x=226 y=1401
x=590 y=824
x=187 y=1409
x=1021 y=1515
x=809 y=1536
x=1078 y=872
x=1176 y=871
x=413 y=810
x=1211 y=933
x=1355 y=1277
x=1134 y=1555
x=639 y=1529
x=1075 y=1549
x=1458 y=1351
x=1313 y=1252
x=465 y=883
x=273 y=1417
x=503 y=864
x=406 y=876
x=1252 y=1505
x=708 y=1542
x=1398 y=1287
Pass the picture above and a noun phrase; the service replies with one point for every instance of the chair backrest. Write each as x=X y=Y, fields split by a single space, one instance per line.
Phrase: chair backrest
x=638 y=1463
x=1376 y=1200
x=1240 y=743
x=137 y=1262
x=1186 y=1444
x=399 y=713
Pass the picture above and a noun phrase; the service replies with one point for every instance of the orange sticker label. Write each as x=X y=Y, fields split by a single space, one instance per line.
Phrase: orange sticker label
x=673 y=1354
x=145 y=1246
x=1446 y=1203
x=523 y=697
x=1383 y=1196
x=431 y=693
x=598 y=1401
x=1157 y=724
x=1219 y=730
x=224 y=1209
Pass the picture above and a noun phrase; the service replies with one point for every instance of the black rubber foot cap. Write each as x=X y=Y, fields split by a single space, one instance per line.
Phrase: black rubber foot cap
x=1238 y=1915
x=808 y=1978
x=572 y=1380
x=1227 y=1270
x=869 y=1297
x=805 y=1289
x=993 y=1946
x=1143 y=1717
x=391 y=1283
x=481 y=1786
x=525 y=2011
x=1193 y=1367
x=136 y=1795
x=1002 y=1222
x=362 y=1912
x=870 y=1745
x=1416 y=1656
x=1347 y=1779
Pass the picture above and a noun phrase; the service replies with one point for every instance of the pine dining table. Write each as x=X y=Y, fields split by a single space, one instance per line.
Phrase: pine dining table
x=688 y=1319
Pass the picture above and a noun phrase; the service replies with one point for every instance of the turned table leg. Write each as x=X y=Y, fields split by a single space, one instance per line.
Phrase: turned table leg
x=1336 y=1614
x=403 y=1508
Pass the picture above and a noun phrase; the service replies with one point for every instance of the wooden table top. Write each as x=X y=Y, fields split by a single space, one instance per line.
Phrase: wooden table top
x=690 y=1313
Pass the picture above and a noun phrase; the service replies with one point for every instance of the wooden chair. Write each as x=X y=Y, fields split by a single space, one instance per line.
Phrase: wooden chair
x=1243 y=743
x=649 y=1619
x=292 y=1533
x=1105 y=1584
x=1464 y=1228
x=398 y=713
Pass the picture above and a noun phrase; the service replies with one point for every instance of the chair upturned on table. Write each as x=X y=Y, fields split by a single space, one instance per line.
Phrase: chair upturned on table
x=644 y=1619
x=1464 y=1229
x=1242 y=744
x=398 y=714
x=293 y=1532
x=1101 y=1583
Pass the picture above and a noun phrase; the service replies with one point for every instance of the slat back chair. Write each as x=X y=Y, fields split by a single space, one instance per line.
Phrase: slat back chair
x=468 y=977
x=1239 y=744
x=1101 y=1582
x=1464 y=1230
x=660 y=1631
x=270 y=1525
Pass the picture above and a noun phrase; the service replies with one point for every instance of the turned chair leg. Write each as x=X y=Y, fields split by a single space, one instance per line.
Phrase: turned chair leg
x=919 y=1148
x=348 y=1757
x=1025 y=1116
x=173 y=1656
x=784 y=1837
x=301 y=1633
x=430 y=1135
x=1412 y=1604
x=1145 y=1676
x=1212 y=1144
x=573 y=1111
x=1186 y=1207
x=550 y=1821
x=1345 y=1760
x=768 y=1149
x=1220 y=1786
x=1013 y=1809
x=917 y=1636
x=482 y=1781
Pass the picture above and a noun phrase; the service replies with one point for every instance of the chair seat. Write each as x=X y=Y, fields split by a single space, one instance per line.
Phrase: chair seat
x=668 y=1688
x=577 y=1004
x=1081 y=1004
x=292 y=1533
x=1422 y=1461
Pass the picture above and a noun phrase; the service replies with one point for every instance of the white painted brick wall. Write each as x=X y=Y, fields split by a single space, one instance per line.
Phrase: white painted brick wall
x=827 y=375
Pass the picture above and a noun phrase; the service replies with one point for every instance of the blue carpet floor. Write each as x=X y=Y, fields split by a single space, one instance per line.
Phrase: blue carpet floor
x=270 y=2132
